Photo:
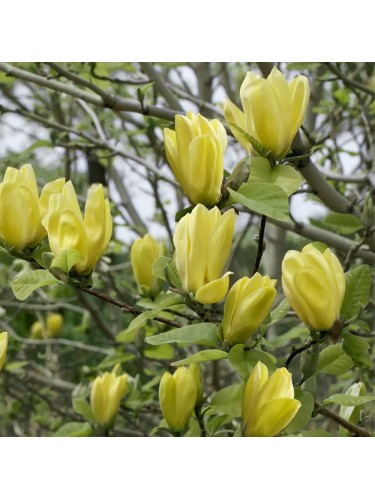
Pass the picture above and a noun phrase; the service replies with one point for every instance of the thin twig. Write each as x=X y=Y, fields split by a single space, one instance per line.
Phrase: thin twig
x=260 y=251
x=351 y=83
x=128 y=308
x=354 y=429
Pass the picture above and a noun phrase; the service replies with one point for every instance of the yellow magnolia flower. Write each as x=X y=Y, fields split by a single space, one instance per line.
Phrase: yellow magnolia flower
x=195 y=152
x=273 y=111
x=68 y=230
x=3 y=348
x=203 y=241
x=143 y=254
x=246 y=307
x=268 y=402
x=177 y=396
x=21 y=209
x=54 y=324
x=196 y=372
x=106 y=394
x=314 y=284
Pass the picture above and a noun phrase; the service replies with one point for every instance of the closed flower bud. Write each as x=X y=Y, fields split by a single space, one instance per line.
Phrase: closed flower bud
x=68 y=230
x=196 y=372
x=21 y=209
x=195 y=153
x=144 y=252
x=54 y=323
x=3 y=348
x=37 y=330
x=353 y=413
x=106 y=394
x=203 y=241
x=268 y=402
x=246 y=307
x=314 y=284
x=273 y=111
x=177 y=396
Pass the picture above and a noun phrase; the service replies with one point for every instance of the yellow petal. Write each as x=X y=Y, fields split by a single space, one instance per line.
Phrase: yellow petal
x=214 y=291
x=272 y=417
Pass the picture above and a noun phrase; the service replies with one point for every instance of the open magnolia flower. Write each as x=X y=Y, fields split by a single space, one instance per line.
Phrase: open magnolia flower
x=268 y=402
x=21 y=208
x=203 y=241
x=273 y=111
x=68 y=230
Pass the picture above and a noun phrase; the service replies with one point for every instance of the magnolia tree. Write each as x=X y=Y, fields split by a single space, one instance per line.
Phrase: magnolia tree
x=186 y=249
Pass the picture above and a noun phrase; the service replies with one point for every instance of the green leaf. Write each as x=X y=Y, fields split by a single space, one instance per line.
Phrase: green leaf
x=279 y=312
x=244 y=361
x=15 y=366
x=66 y=259
x=165 y=351
x=83 y=408
x=142 y=319
x=199 y=333
x=262 y=198
x=183 y=212
x=346 y=400
x=24 y=284
x=357 y=292
x=74 y=429
x=36 y=145
x=303 y=415
x=342 y=223
x=229 y=400
x=202 y=356
x=172 y=275
x=299 y=332
x=158 y=267
x=358 y=349
x=334 y=361
x=259 y=148
x=282 y=175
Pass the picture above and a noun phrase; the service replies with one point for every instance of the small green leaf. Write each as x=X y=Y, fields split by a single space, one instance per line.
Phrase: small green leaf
x=346 y=400
x=65 y=260
x=244 y=361
x=15 y=366
x=199 y=333
x=158 y=267
x=183 y=212
x=24 y=284
x=358 y=349
x=172 y=275
x=357 y=292
x=262 y=198
x=74 y=429
x=83 y=408
x=303 y=415
x=229 y=400
x=165 y=351
x=142 y=319
x=259 y=148
x=282 y=175
x=334 y=361
x=279 y=312
x=342 y=223
x=202 y=356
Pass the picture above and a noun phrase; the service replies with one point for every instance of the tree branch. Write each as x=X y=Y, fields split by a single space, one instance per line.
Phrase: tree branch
x=354 y=429
x=115 y=103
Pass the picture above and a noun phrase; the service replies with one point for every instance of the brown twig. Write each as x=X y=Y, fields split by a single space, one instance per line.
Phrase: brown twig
x=354 y=429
